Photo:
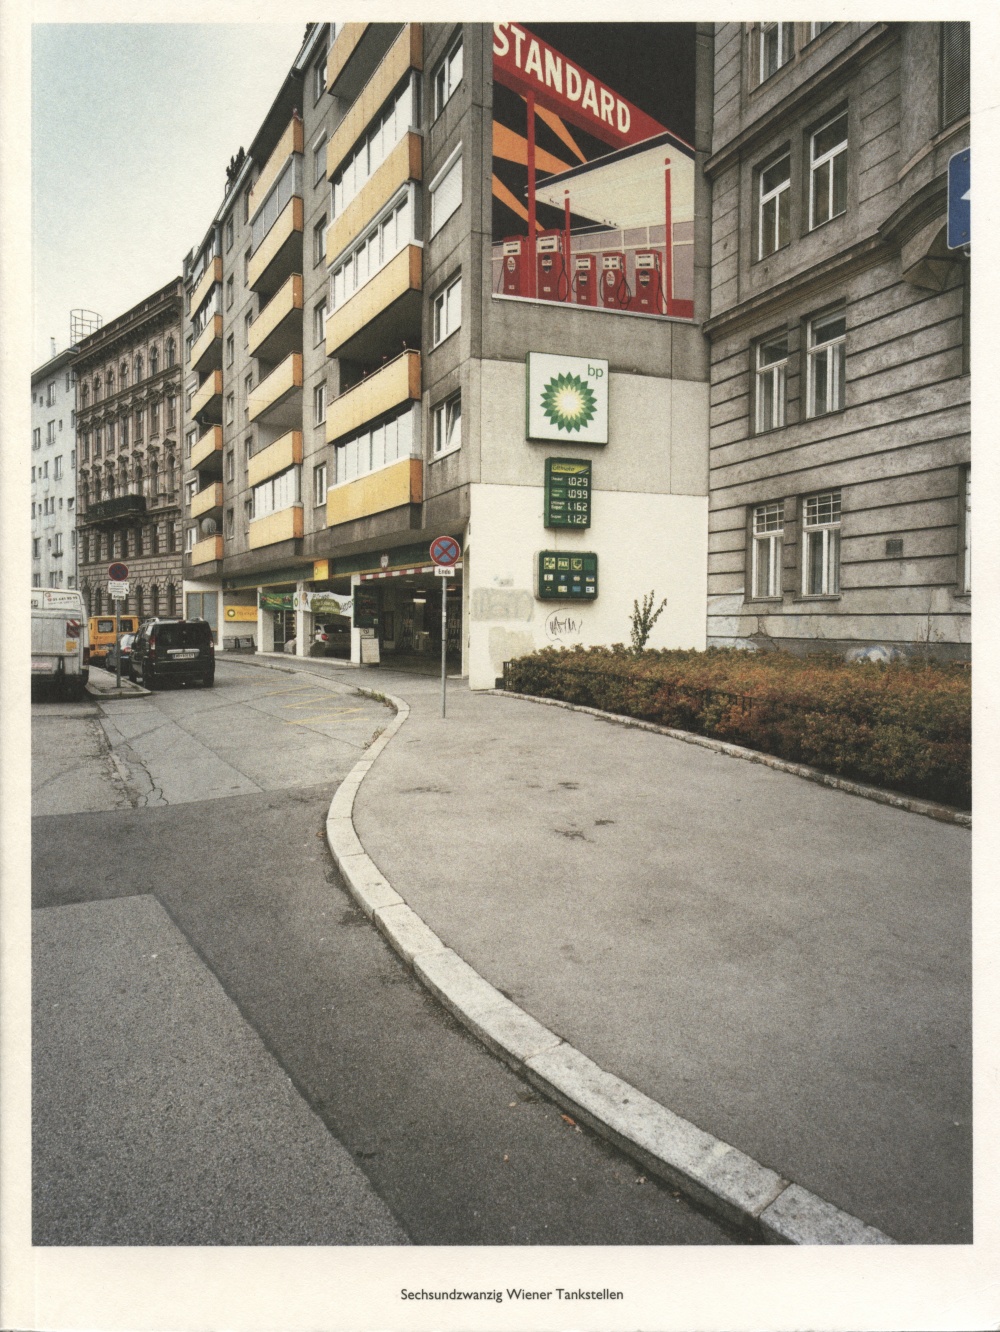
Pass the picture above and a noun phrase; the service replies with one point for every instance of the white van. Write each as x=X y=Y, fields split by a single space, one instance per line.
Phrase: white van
x=60 y=648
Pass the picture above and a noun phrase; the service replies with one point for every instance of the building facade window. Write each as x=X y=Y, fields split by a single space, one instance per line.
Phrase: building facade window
x=230 y=233
x=319 y=241
x=319 y=322
x=230 y=409
x=319 y=404
x=446 y=193
x=828 y=170
x=447 y=310
x=230 y=522
x=397 y=117
x=816 y=28
x=378 y=244
x=775 y=194
x=777 y=46
x=230 y=464
x=767 y=537
x=154 y=359
x=821 y=545
x=319 y=160
x=826 y=361
x=171 y=353
x=319 y=484
x=378 y=445
x=36 y=437
x=319 y=78
x=230 y=349
x=447 y=419
x=954 y=71
x=277 y=493
x=229 y=292
x=447 y=76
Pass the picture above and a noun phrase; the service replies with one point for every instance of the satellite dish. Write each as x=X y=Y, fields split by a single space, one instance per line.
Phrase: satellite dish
x=209 y=527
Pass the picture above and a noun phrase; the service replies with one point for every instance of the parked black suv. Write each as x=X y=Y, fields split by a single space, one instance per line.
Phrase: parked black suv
x=172 y=650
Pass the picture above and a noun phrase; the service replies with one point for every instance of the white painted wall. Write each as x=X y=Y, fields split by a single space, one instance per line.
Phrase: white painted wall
x=644 y=542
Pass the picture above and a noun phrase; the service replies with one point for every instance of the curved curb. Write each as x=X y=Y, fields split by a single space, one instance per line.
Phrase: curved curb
x=911 y=804
x=718 y=1176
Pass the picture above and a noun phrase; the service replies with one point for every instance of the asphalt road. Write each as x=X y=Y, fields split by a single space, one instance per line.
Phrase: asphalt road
x=225 y=1050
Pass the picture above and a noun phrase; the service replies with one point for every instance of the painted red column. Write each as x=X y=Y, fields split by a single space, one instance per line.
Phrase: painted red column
x=668 y=272
x=532 y=262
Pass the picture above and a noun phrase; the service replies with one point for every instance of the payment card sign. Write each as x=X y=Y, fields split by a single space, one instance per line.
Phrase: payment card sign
x=567 y=398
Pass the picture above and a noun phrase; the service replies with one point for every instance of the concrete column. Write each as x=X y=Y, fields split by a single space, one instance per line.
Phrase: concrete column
x=265 y=629
x=302 y=617
x=355 y=633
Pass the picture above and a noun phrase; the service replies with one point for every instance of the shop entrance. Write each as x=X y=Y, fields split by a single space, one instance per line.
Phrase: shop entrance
x=407 y=611
x=284 y=628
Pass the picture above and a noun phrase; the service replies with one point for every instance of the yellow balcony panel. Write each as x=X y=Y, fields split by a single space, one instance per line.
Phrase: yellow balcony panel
x=280 y=252
x=400 y=483
x=281 y=526
x=343 y=48
x=208 y=279
x=356 y=52
x=203 y=552
x=207 y=400
x=277 y=457
x=395 y=383
x=206 y=500
x=373 y=303
x=277 y=330
x=406 y=52
x=274 y=391
x=405 y=162
x=207 y=449
x=206 y=354
x=290 y=142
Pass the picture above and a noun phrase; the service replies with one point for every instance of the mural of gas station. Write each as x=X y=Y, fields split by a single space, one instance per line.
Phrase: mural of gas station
x=593 y=177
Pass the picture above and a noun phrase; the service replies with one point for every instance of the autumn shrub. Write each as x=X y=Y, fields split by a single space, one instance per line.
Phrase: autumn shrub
x=901 y=725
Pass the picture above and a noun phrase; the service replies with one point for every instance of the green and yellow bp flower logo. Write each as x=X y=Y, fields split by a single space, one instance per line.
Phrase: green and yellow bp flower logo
x=568 y=402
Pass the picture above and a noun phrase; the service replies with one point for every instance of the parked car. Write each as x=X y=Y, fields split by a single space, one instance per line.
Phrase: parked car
x=124 y=648
x=171 y=649
x=332 y=639
x=60 y=648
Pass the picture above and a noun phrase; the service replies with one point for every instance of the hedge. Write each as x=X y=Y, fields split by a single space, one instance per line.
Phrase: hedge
x=906 y=726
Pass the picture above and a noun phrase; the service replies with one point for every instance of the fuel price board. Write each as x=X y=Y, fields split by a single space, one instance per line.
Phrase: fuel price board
x=567 y=575
x=567 y=492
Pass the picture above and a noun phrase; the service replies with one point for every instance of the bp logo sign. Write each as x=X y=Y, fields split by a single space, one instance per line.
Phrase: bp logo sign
x=567 y=398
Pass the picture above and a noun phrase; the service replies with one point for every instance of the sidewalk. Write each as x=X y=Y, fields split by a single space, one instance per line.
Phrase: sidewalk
x=783 y=965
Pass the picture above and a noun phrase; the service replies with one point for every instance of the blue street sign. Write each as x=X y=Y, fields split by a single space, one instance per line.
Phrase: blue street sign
x=959 y=208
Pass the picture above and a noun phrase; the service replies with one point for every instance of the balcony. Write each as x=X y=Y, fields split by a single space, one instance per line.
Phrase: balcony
x=208 y=279
x=113 y=510
x=386 y=310
x=206 y=550
x=280 y=252
x=277 y=457
x=206 y=354
x=277 y=395
x=406 y=52
x=277 y=330
x=207 y=451
x=405 y=162
x=285 y=525
x=395 y=383
x=207 y=500
x=355 y=54
x=400 y=483
x=290 y=142
x=207 y=400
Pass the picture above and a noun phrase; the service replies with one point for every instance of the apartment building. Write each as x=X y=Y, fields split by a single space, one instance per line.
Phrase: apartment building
x=128 y=417
x=53 y=473
x=839 y=327
x=454 y=288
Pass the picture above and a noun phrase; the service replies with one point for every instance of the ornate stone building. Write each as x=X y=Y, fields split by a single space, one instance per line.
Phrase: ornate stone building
x=128 y=403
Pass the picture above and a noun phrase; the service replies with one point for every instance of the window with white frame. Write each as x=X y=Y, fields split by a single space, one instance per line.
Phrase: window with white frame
x=229 y=292
x=230 y=233
x=36 y=437
x=768 y=535
x=447 y=310
x=771 y=377
x=821 y=544
x=775 y=194
x=230 y=464
x=777 y=46
x=446 y=193
x=58 y=547
x=447 y=76
x=57 y=469
x=447 y=419
x=277 y=493
x=190 y=536
x=230 y=408
x=826 y=359
x=378 y=445
x=230 y=522
x=287 y=185
x=397 y=117
x=319 y=322
x=319 y=240
x=319 y=160
x=381 y=242
x=828 y=170
x=319 y=77
x=319 y=484
x=230 y=349
x=319 y=404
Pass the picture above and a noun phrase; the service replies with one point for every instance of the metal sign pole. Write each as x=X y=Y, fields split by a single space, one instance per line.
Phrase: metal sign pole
x=118 y=646
x=444 y=641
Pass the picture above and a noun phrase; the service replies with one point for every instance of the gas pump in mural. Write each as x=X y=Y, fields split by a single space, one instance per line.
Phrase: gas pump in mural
x=593 y=169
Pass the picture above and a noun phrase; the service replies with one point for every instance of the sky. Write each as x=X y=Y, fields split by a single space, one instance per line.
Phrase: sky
x=133 y=126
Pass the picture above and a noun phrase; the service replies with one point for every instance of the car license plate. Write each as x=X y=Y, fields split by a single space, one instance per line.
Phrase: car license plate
x=182 y=654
